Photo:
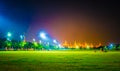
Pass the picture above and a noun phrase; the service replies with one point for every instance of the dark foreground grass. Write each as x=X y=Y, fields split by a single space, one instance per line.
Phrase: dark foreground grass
x=59 y=61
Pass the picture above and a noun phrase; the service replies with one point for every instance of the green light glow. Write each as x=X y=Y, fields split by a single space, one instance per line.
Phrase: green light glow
x=35 y=44
x=9 y=34
x=23 y=44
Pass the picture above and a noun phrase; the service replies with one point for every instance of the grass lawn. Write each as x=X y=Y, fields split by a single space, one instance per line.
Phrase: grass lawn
x=59 y=61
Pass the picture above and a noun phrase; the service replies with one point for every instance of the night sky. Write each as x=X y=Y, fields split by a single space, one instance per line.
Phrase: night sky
x=91 y=21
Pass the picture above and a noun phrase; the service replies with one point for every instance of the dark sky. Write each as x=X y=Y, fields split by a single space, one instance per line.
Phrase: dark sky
x=88 y=20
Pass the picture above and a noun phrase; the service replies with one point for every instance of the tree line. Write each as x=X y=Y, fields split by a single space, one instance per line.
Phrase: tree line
x=23 y=45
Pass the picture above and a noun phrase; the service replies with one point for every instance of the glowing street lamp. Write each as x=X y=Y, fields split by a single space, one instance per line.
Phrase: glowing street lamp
x=34 y=40
x=9 y=34
x=88 y=47
x=111 y=46
x=77 y=46
x=54 y=41
x=43 y=35
x=21 y=37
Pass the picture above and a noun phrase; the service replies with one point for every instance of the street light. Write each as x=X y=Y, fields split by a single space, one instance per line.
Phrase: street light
x=21 y=37
x=111 y=46
x=54 y=41
x=9 y=34
x=33 y=39
x=43 y=35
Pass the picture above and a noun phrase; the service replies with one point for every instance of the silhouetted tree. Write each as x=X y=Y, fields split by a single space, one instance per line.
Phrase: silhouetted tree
x=117 y=47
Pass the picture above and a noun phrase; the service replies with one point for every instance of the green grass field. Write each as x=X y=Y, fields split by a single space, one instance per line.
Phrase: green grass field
x=59 y=61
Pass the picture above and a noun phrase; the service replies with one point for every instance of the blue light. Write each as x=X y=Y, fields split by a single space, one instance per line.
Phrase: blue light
x=21 y=36
x=8 y=39
x=111 y=46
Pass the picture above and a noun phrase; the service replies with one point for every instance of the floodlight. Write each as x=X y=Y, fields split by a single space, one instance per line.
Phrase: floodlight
x=9 y=34
x=21 y=36
x=33 y=39
x=43 y=35
x=54 y=41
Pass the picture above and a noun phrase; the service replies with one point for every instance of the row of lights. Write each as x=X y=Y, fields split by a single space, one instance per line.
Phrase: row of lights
x=42 y=35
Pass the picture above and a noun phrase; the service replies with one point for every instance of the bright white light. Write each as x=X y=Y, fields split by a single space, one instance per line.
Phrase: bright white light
x=33 y=39
x=9 y=34
x=54 y=41
x=60 y=46
x=42 y=35
x=40 y=41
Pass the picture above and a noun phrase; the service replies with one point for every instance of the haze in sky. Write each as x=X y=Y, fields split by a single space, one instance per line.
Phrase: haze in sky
x=90 y=21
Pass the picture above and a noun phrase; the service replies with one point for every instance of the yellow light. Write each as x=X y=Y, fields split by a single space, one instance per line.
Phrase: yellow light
x=88 y=47
x=77 y=46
